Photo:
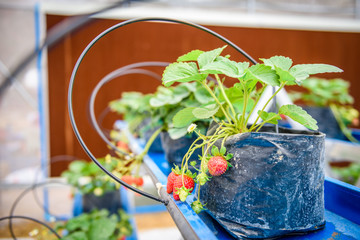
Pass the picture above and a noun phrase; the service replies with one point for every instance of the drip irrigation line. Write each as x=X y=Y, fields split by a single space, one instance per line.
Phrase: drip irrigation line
x=17 y=200
x=55 y=34
x=80 y=59
x=31 y=219
x=100 y=121
x=129 y=69
x=58 y=158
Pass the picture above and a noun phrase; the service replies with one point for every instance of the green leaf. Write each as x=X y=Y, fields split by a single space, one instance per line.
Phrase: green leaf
x=278 y=61
x=209 y=56
x=203 y=96
x=269 y=117
x=205 y=112
x=102 y=228
x=79 y=223
x=184 y=117
x=190 y=56
x=181 y=72
x=178 y=94
x=77 y=166
x=263 y=74
x=315 y=68
x=225 y=66
x=191 y=86
x=303 y=71
x=299 y=115
x=239 y=105
x=79 y=235
x=176 y=133
x=285 y=76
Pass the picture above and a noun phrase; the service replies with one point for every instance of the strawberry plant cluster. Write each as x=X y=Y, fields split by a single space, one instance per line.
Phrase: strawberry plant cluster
x=230 y=107
x=96 y=225
x=332 y=93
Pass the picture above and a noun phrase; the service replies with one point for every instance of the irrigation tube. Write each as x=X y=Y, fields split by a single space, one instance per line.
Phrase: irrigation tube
x=80 y=59
x=34 y=220
x=129 y=69
x=17 y=200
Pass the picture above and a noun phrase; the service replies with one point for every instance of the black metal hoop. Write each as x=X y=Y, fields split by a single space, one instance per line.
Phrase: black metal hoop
x=129 y=69
x=83 y=54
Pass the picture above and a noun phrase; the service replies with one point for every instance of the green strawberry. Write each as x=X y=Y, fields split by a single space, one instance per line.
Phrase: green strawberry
x=197 y=206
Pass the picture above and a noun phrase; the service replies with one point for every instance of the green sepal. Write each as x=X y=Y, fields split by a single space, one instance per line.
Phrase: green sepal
x=229 y=156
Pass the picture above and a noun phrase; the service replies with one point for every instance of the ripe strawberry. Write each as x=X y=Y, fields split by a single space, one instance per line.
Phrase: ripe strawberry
x=170 y=180
x=217 y=165
x=138 y=181
x=128 y=179
x=183 y=186
x=123 y=146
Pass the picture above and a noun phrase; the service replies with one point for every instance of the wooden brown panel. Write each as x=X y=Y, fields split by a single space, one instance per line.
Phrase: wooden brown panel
x=164 y=42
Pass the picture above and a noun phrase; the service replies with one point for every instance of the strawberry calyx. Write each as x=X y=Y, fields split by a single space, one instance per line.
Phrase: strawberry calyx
x=183 y=192
x=176 y=170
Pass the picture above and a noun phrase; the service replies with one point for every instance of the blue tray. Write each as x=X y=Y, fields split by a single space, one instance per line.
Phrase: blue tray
x=342 y=207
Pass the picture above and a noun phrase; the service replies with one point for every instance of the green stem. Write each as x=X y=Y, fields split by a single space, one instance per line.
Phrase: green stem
x=148 y=144
x=243 y=122
x=226 y=98
x=190 y=151
x=217 y=100
x=268 y=101
x=342 y=126
x=253 y=108
x=259 y=126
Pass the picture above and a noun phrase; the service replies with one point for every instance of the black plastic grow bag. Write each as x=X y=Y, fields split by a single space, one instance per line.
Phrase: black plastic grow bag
x=275 y=186
x=109 y=200
x=175 y=149
x=326 y=121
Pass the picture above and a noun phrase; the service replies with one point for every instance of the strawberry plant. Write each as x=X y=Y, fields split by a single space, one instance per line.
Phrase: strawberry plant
x=96 y=225
x=332 y=93
x=230 y=107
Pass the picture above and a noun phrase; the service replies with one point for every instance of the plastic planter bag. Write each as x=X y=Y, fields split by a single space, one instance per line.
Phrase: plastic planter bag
x=275 y=187
x=146 y=131
x=109 y=200
x=156 y=146
x=176 y=149
x=326 y=121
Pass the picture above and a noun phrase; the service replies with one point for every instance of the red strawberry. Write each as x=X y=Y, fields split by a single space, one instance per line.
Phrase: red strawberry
x=170 y=182
x=171 y=177
x=123 y=146
x=183 y=185
x=217 y=165
x=128 y=179
x=139 y=181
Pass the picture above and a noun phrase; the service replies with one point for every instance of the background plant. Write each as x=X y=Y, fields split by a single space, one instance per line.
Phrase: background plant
x=97 y=225
x=349 y=174
x=87 y=177
x=332 y=93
